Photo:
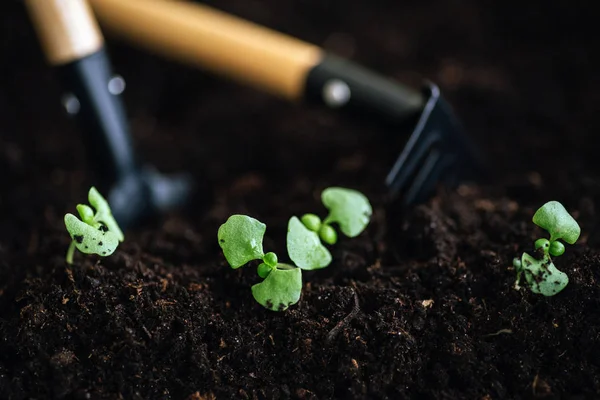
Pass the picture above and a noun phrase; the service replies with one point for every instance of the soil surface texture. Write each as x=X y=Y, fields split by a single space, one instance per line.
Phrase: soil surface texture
x=419 y=306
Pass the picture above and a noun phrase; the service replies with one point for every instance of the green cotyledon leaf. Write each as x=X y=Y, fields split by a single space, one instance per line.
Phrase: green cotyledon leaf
x=103 y=213
x=90 y=240
x=349 y=208
x=542 y=276
x=241 y=239
x=554 y=218
x=281 y=288
x=305 y=248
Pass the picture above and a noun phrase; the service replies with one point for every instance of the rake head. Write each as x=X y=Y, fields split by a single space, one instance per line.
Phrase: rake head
x=436 y=153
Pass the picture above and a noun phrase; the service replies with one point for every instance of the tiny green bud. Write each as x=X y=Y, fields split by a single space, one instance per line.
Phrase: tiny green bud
x=264 y=270
x=557 y=249
x=311 y=221
x=328 y=234
x=270 y=259
x=542 y=243
x=517 y=263
x=86 y=214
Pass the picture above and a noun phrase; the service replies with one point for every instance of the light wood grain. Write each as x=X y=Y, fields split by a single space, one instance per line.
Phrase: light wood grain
x=67 y=29
x=223 y=44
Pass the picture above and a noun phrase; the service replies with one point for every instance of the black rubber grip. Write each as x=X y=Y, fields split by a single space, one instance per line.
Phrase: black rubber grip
x=359 y=89
x=101 y=116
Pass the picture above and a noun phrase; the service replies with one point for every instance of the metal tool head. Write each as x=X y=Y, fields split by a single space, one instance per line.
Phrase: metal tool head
x=146 y=194
x=437 y=152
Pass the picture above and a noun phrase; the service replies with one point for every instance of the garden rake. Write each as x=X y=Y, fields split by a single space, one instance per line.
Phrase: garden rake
x=437 y=150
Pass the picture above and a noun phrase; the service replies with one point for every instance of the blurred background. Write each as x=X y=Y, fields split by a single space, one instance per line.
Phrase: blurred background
x=521 y=78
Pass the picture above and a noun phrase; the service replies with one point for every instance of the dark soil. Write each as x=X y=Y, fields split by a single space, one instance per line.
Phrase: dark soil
x=419 y=306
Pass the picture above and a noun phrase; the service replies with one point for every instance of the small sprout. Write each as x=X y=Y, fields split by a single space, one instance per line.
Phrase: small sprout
x=311 y=221
x=241 y=240
x=328 y=234
x=280 y=289
x=541 y=275
x=97 y=232
x=347 y=207
x=305 y=248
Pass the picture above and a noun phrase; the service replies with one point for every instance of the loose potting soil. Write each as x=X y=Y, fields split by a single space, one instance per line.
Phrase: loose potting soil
x=421 y=305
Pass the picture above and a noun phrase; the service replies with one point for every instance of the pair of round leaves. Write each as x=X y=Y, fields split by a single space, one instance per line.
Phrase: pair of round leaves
x=348 y=208
x=97 y=232
x=554 y=249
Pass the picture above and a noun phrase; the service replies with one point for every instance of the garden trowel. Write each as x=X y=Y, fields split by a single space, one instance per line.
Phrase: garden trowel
x=437 y=150
x=73 y=44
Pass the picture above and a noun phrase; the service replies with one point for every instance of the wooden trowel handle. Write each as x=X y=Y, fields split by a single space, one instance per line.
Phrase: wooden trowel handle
x=223 y=44
x=67 y=29
x=73 y=45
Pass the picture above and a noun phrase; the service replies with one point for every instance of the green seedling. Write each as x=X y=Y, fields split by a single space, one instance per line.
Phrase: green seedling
x=97 y=232
x=540 y=274
x=348 y=208
x=241 y=239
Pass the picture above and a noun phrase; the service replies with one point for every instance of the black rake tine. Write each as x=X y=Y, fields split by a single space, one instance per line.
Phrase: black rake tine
x=436 y=152
x=409 y=163
x=428 y=176
x=430 y=162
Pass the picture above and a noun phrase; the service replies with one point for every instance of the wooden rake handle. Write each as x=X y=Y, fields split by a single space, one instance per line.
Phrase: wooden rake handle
x=202 y=36
x=254 y=55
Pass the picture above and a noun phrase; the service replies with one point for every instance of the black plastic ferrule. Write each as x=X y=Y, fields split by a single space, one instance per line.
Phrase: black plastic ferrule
x=102 y=117
x=340 y=83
